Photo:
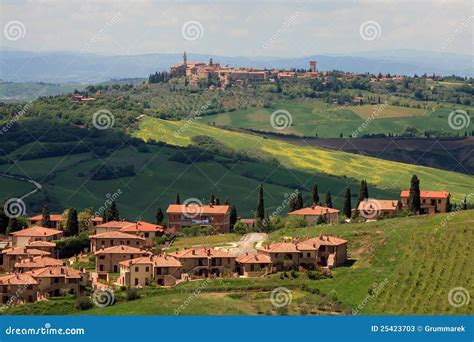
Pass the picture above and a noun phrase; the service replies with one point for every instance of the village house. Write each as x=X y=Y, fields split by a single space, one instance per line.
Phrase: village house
x=250 y=223
x=182 y=215
x=110 y=239
x=56 y=220
x=323 y=251
x=13 y=255
x=18 y=288
x=32 y=263
x=46 y=246
x=313 y=213
x=26 y=236
x=203 y=262
x=431 y=201
x=162 y=270
x=253 y=265
x=53 y=280
x=144 y=229
x=111 y=226
x=379 y=209
x=107 y=259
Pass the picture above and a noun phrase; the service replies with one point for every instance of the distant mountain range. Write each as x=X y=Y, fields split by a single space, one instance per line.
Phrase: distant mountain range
x=59 y=67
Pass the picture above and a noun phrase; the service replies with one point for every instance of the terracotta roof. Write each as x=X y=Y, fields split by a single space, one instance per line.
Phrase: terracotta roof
x=280 y=247
x=142 y=226
x=52 y=217
x=194 y=208
x=55 y=272
x=18 y=279
x=41 y=244
x=200 y=253
x=248 y=221
x=39 y=262
x=315 y=210
x=24 y=251
x=121 y=249
x=115 y=224
x=37 y=231
x=427 y=194
x=322 y=240
x=156 y=260
x=377 y=204
x=116 y=235
x=254 y=259
x=96 y=219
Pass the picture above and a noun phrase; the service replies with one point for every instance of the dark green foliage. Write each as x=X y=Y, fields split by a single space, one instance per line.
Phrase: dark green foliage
x=83 y=303
x=159 y=216
x=132 y=294
x=178 y=201
x=233 y=215
x=315 y=194
x=71 y=246
x=107 y=172
x=448 y=204
x=72 y=223
x=13 y=225
x=328 y=200
x=3 y=220
x=347 y=209
x=260 y=212
x=46 y=219
x=414 y=200
x=363 y=192
x=113 y=213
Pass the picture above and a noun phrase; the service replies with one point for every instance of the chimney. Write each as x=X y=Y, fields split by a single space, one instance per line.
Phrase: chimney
x=194 y=252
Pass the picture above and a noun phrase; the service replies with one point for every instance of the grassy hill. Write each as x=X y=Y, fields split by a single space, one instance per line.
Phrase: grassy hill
x=398 y=266
x=311 y=118
x=385 y=175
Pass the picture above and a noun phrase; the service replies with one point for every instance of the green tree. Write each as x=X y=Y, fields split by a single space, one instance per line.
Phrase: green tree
x=113 y=213
x=299 y=200
x=178 y=201
x=260 y=213
x=328 y=200
x=448 y=204
x=13 y=225
x=72 y=223
x=159 y=216
x=45 y=217
x=315 y=194
x=212 y=200
x=347 y=209
x=3 y=220
x=84 y=218
x=363 y=192
x=233 y=216
x=414 y=201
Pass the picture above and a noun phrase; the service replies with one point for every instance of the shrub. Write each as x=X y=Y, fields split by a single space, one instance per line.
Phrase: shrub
x=294 y=221
x=83 y=303
x=132 y=294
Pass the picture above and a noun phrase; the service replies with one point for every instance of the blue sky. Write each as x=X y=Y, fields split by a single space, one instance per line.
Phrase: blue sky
x=245 y=28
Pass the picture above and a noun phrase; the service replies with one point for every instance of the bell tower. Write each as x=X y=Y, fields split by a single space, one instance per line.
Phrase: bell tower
x=185 y=59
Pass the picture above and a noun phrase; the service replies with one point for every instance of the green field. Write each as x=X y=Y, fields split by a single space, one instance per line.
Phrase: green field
x=386 y=175
x=414 y=262
x=311 y=118
x=158 y=180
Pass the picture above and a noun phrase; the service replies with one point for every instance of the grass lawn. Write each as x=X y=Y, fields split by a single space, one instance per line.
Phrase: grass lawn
x=204 y=241
x=388 y=111
x=386 y=175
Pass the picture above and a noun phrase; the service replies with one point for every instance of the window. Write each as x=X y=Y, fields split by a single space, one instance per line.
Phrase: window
x=136 y=269
x=301 y=255
x=308 y=255
x=102 y=257
x=128 y=242
x=147 y=235
x=439 y=201
x=322 y=248
x=147 y=269
x=136 y=281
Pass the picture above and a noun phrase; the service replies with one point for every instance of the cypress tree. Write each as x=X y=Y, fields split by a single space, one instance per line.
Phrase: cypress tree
x=212 y=200
x=414 y=201
x=159 y=216
x=299 y=201
x=178 y=201
x=45 y=219
x=293 y=204
x=233 y=216
x=104 y=216
x=113 y=214
x=260 y=213
x=464 y=204
x=328 y=200
x=13 y=226
x=347 y=210
x=217 y=201
x=448 y=204
x=315 y=194
x=3 y=220
x=72 y=223
x=363 y=192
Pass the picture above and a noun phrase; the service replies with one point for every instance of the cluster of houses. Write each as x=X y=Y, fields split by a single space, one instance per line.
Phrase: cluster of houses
x=32 y=271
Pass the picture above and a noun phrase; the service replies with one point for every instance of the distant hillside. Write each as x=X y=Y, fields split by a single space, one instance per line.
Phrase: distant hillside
x=24 y=66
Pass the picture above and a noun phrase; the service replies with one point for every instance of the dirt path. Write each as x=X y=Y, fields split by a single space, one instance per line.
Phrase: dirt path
x=245 y=245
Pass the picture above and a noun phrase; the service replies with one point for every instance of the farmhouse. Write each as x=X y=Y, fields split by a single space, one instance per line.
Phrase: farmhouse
x=13 y=255
x=431 y=201
x=143 y=271
x=57 y=219
x=377 y=209
x=110 y=239
x=144 y=229
x=111 y=226
x=312 y=214
x=46 y=246
x=18 y=288
x=32 y=263
x=253 y=265
x=54 y=279
x=187 y=215
x=202 y=262
x=107 y=259
x=26 y=236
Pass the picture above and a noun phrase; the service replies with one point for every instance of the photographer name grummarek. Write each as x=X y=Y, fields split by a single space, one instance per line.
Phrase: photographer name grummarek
x=419 y=328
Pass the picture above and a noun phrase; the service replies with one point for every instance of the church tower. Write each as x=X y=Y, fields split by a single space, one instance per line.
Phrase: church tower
x=185 y=59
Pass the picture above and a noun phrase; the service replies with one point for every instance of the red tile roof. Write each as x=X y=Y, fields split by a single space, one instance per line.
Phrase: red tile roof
x=254 y=259
x=41 y=244
x=18 y=279
x=427 y=194
x=55 y=272
x=322 y=240
x=37 y=231
x=142 y=226
x=52 y=217
x=116 y=235
x=24 y=251
x=115 y=224
x=376 y=204
x=194 y=208
x=313 y=211
x=39 y=262
x=121 y=249
x=156 y=260
x=200 y=253
x=279 y=247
